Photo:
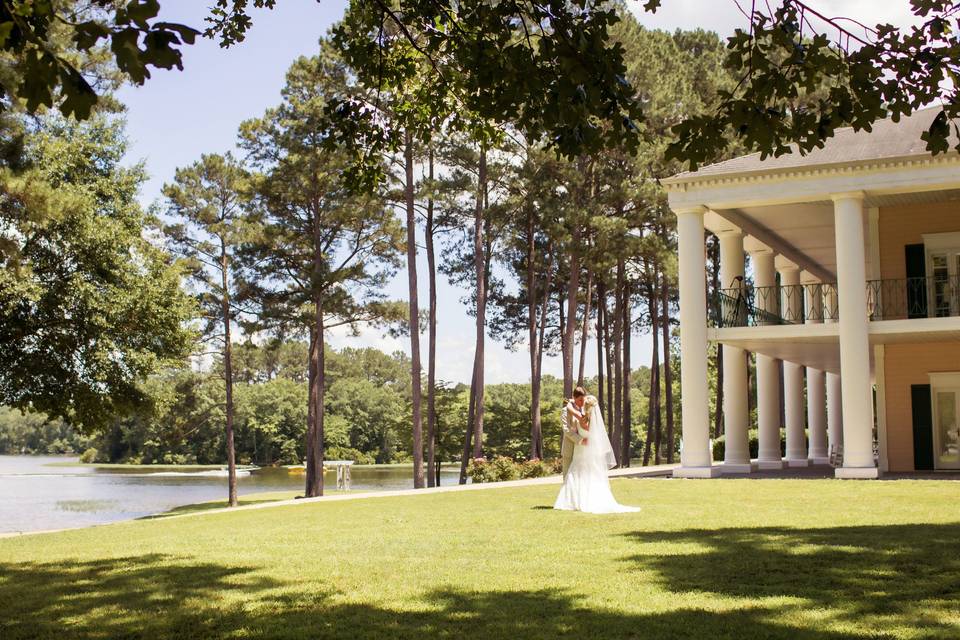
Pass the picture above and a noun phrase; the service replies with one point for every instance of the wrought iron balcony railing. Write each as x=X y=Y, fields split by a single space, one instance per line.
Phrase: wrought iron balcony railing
x=906 y=298
x=765 y=306
x=935 y=296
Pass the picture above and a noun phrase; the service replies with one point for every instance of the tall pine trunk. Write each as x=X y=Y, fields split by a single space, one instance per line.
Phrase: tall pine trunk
x=585 y=327
x=599 y=327
x=314 y=465
x=667 y=371
x=615 y=431
x=480 y=267
x=468 y=434
x=627 y=427
x=433 y=469
x=573 y=291
x=536 y=428
x=414 y=322
x=228 y=376
x=607 y=357
x=653 y=440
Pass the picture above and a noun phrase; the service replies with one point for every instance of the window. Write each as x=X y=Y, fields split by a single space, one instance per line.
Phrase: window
x=943 y=271
x=945 y=388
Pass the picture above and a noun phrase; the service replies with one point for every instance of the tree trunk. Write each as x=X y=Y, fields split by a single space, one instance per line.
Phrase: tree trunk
x=653 y=440
x=585 y=327
x=315 y=435
x=607 y=357
x=433 y=476
x=415 y=369
x=573 y=292
x=228 y=377
x=599 y=326
x=468 y=435
x=480 y=266
x=626 y=430
x=615 y=431
x=536 y=428
x=667 y=371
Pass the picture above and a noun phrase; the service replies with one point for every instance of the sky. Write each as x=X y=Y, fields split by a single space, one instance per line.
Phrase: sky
x=179 y=115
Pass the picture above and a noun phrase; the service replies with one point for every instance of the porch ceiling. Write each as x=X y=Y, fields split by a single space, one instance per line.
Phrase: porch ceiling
x=802 y=233
x=818 y=345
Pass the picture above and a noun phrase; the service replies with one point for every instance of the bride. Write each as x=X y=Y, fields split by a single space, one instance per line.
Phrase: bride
x=586 y=486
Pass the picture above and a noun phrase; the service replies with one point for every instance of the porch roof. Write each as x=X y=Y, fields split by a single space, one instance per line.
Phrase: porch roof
x=887 y=140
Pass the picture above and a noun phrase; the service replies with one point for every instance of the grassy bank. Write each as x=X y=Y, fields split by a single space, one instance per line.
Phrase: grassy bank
x=807 y=560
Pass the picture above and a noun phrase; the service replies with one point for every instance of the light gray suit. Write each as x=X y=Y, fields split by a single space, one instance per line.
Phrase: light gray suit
x=571 y=438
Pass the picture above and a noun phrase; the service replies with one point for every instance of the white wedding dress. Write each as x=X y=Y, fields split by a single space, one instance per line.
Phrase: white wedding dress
x=587 y=487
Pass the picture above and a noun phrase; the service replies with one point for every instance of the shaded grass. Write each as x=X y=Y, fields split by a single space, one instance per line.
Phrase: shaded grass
x=738 y=559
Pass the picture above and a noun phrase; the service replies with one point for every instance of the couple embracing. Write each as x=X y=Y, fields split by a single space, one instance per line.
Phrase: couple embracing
x=587 y=456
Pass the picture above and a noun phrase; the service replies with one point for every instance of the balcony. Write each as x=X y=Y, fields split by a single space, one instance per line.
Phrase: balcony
x=897 y=299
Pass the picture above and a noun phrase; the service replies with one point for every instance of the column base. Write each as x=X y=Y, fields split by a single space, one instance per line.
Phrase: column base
x=769 y=465
x=820 y=460
x=857 y=473
x=697 y=472
x=734 y=468
x=798 y=462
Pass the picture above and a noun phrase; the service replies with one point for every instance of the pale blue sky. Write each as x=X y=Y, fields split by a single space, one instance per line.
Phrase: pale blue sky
x=177 y=116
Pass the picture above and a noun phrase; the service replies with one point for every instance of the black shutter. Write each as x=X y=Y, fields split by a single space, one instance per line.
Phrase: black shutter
x=916 y=257
x=922 y=427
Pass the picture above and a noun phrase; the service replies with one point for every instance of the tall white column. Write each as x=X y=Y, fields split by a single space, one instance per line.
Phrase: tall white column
x=696 y=457
x=791 y=307
x=736 y=417
x=768 y=369
x=855 y=380
x=834 y=396
x=816 y=383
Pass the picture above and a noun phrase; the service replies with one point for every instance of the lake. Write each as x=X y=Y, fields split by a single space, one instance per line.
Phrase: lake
x=35 y=496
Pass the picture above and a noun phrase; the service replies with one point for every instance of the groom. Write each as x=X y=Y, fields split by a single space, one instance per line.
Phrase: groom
x=572 y=414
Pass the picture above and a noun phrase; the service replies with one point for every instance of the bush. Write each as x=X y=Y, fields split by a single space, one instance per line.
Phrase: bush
x=497 y=470
x=502 y=468
x=719 y=445
x=89 y=456
x=348 y=453
x=535 y=468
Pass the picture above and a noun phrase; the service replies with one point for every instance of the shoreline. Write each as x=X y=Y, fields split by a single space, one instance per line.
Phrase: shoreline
x=663 y=470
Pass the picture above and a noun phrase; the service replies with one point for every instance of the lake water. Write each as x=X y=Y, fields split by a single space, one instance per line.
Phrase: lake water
x=35 y=496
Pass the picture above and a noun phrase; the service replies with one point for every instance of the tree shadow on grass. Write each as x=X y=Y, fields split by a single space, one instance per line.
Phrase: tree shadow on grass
x=892 y=575
x=158 y=596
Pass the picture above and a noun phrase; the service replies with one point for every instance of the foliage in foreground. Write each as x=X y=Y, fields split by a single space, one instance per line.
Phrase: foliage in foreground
x=779 y=560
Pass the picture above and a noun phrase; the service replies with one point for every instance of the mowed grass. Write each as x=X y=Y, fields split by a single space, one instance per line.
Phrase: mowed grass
x=717 y=559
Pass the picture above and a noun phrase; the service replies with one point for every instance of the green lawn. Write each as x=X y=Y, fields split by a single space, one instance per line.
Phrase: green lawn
x=740 y=559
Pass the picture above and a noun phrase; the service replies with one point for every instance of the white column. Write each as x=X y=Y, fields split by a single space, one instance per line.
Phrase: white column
x=696 y=457
x=768 y=369
x=816 y=383
x=855 y=380
x=834 y=396
x=736 y=417
x=791 y=307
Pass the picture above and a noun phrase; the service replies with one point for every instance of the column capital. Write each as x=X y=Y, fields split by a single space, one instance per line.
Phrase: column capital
x=754 y=250
x=785 y=265
x=807 y=278
x=729 y=233
x=848 y=195
x=695 y=209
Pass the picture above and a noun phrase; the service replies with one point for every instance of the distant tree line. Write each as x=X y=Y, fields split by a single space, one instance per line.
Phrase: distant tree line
x=367 y=407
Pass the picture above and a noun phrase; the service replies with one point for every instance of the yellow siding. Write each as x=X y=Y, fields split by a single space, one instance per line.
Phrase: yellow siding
x=906 y=224
x=905 y=365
